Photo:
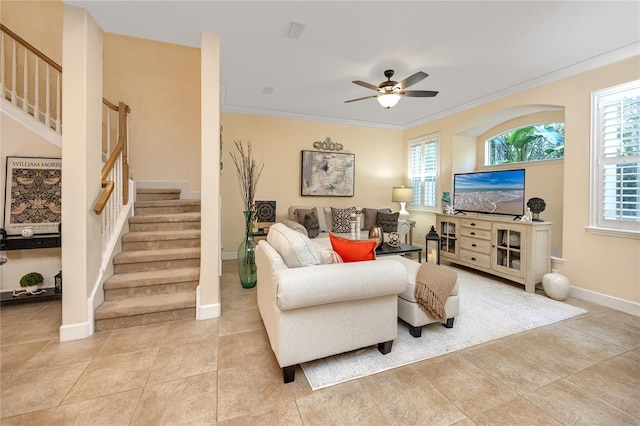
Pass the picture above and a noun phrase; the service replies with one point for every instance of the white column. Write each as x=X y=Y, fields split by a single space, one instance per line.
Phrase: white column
x=208 y=293
x=81 y=164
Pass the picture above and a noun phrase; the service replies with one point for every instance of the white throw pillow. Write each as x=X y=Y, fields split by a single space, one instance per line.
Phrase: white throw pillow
x=297 y=250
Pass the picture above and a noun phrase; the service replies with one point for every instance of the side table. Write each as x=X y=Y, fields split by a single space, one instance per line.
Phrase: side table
x=412 y=223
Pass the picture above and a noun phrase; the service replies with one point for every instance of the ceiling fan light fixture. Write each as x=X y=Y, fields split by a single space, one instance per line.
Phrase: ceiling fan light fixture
x=388 y=100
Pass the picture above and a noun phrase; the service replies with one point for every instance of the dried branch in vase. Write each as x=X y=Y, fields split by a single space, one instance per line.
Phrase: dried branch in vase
x=249 y=171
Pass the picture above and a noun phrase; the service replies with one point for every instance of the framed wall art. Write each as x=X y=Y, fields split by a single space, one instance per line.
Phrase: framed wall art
x=327 y=174
x=33 y=195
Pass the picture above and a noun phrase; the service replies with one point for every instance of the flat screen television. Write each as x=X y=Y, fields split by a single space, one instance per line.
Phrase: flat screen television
x=498 y=192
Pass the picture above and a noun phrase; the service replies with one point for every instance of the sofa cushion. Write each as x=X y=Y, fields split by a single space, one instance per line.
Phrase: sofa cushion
x=300 y=213
x=340 y=219
x=312 y=224
x=354 y=250
x=329 y=256
x=296 y=226
x=371 y=217
x=388 y=221
x=296 y=249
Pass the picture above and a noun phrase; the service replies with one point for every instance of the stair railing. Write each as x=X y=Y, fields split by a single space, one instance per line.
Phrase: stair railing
x=29 y=76
x=115 y=172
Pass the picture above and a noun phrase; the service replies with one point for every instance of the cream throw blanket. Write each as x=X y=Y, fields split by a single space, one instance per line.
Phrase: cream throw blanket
x=433 y=286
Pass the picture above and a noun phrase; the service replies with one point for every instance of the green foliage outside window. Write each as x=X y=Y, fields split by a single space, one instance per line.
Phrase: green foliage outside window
x=530 y=143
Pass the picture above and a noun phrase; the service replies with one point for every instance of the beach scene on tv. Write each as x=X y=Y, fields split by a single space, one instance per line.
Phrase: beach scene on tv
x=499 y=192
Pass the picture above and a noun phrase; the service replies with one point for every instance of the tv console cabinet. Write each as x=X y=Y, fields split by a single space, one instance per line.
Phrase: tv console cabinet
x=514 y=250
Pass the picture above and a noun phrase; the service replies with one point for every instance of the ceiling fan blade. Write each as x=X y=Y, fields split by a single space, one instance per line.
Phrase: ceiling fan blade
x=367 y=85
x=360 y=99
x=419 y=93
x=413 y=79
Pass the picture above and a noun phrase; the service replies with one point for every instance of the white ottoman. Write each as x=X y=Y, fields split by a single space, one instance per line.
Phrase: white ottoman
x=409 y=310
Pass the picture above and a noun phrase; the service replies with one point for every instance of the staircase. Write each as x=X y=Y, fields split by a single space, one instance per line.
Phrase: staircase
x=157 y=272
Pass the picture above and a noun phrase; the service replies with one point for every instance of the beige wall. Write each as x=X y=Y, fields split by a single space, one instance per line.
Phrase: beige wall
x=601 y=264
x=161 y=84
x=378 y=153
x=37 y=22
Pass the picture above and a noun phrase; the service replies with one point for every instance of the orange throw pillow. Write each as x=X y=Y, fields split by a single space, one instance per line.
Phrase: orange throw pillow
x=354 y=250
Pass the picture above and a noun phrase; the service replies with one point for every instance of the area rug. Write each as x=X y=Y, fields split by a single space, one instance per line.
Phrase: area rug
x=489 y=310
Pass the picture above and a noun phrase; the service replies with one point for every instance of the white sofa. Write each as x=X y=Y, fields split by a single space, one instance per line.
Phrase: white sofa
x=312 y=310
x=324 y=219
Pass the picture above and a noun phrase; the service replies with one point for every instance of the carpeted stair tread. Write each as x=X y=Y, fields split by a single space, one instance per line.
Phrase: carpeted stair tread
x=157 y=255
x=176 y=217
x=145 y=305
x=148 y=278
x=158 y=191
x=167 y=203
x=131 y=237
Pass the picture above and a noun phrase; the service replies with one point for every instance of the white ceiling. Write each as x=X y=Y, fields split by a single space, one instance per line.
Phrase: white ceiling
x=473 y=51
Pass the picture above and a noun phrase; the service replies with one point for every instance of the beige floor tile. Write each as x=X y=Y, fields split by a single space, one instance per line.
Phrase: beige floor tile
x=243 y=349
x=48 y=417
x=52 y=311
x=245 y=300
x=405 y=397
x=505 y=364
x=184 y=360
x=572 y=405
x=189 y=330
x=134 y=339
x=112 y=374
x=34 y=390
x=285 y=414
x=31 y=331
x=59 y=353
x=562 y=349
x=115 y=409
x=344 y=404
x=470 y=388
x=11 y=314
x=251 y=390
x=191 y=400
x=616 y=327
x=16 y=358
x=616 y=381
x=518 y=411
x=239 y=321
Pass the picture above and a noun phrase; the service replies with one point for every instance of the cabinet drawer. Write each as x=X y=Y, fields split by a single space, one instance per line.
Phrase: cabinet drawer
x=476 y=233
x=475 y=258
x=476 y=224
x=475 y=244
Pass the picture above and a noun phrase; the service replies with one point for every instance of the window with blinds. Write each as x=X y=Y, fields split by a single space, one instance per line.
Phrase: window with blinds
x=423 y=171
x=616 y=158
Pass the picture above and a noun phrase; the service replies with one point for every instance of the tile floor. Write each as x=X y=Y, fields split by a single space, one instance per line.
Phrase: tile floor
x=582 y=371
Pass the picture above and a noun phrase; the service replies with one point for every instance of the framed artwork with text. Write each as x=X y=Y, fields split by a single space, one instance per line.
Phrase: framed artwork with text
x=33 y=195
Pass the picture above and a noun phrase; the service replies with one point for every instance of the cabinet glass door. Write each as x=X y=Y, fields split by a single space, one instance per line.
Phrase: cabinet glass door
x=508 y=254
x=448 y=238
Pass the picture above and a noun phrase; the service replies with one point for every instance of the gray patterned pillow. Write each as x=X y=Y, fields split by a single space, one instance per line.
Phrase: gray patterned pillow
x=388 y=221
x=312 y=224
x=340 y=219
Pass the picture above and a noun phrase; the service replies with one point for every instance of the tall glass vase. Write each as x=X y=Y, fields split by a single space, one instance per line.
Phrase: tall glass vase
x=247 y=254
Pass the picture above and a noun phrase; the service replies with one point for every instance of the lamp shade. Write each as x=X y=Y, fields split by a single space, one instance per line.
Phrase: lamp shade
x=402 y=194
x=388 y=100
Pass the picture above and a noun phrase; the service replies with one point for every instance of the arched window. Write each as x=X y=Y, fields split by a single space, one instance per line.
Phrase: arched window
x=530 y=143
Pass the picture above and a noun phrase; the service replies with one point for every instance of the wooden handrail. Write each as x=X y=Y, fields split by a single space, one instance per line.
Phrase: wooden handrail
x=28 y=46
x=120 y=148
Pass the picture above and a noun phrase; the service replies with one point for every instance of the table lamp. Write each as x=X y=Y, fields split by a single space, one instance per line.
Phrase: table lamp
x=402 y=195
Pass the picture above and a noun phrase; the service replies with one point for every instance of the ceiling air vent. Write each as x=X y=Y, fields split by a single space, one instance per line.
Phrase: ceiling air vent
x=267 y=90
x=294 y=30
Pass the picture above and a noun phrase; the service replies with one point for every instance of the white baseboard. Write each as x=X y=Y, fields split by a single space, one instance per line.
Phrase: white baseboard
x=627 y=306
x=182 y=185
x=77 y=331
x=204 y=312
x=229 y=255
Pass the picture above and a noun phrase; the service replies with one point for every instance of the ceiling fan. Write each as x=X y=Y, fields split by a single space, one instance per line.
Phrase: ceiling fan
x=389 y=92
